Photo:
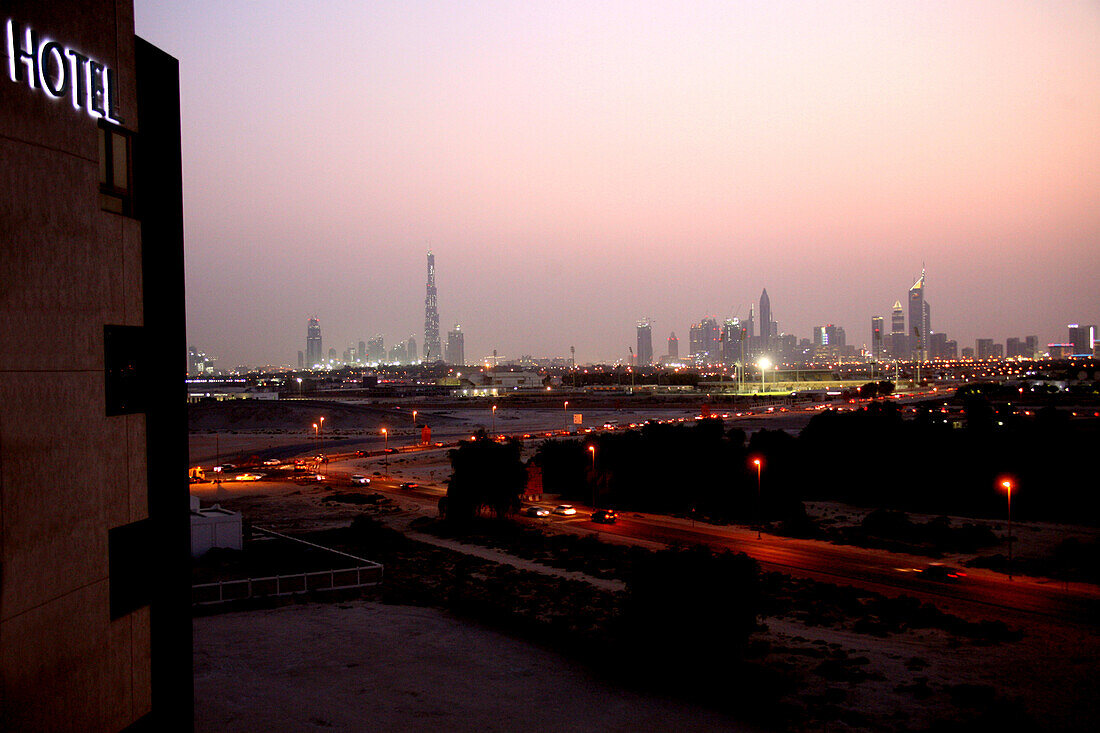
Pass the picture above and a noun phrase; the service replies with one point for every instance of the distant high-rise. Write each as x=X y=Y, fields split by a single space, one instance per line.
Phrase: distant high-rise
x=829 y=335
x=751 y=323
x=765 y=315
x=919 y=319
x=376 y=349
x=898 y=345
x=1031 y=346
x=410 y=351
x=456 y=347
x=362 y=351
x=877 y=349
x=984 y=349
x=644 y=354
x=314 y=354
x=301 y=360
x=1082 y=337
x=433 y=350
x=710 y=339
x=695 y=340
x=673 y=346
x=332 y=355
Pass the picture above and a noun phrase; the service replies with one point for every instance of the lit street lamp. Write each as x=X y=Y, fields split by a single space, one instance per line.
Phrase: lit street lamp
x=592 y=450
x=320 y=428
x=494 y=421
x=299 y=387
x=1008 y=492
x=759 y=466
x=764 y=364
x=414 y=418
x=386 y=452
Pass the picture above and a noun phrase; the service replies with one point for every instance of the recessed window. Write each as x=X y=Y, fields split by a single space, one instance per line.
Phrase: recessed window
x=116 y=169
x=124 y=375
x=131 y=566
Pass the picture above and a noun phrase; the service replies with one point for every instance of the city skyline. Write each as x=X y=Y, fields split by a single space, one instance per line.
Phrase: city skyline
x=664 y=161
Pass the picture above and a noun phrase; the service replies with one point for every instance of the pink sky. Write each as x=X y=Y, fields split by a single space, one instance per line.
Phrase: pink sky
x=576 y=166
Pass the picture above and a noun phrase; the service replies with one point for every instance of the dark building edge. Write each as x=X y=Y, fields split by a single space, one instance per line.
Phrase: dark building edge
x=158 y=174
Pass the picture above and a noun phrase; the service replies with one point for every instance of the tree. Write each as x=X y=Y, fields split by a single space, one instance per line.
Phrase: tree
x=485 y=474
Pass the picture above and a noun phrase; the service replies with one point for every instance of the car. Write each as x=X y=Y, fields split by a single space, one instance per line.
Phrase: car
x=390 y=450
x=249 y=477
x=942 y=573
x=536 y=511
x=410 y=485
x=316 y=477
x=605 y=516
x=359 y=478
x=360 y=453
x=565 y=510
x=271 y=462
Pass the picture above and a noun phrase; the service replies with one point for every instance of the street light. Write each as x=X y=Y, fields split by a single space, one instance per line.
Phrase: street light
x=414 y=418
x=592 y=450
x=320 y=428
x=764 y=364
x=1007 y=484
x=386 y=452
x=299 y=387
x=494 y=421
x=759 y=466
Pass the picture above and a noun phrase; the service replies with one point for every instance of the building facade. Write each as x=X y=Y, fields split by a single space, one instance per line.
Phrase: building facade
x=315 y=355
x=95 y=629
x=644 y=355
x=433 y=350
x=456 y=347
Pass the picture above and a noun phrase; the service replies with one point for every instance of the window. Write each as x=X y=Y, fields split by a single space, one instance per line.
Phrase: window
x=124 y=375
x=130 y=564
x=116 y=169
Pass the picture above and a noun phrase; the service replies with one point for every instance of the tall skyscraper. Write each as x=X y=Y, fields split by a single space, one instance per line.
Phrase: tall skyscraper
x=362 y=351
x=751 y=323
x=899 y=341
x=919 y=319
x=673 y=346
x=710 y=340
x=644 y=354
x=433 y=350
x=1082 y=337
x=456 y=347
x=765 y=315
x=314 y=354
x=410 y=351
x=376 y=349
x=695 y=340
x=877 y=347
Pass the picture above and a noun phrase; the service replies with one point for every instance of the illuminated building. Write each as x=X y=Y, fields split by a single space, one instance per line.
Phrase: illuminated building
x=898 y=345
x=433 y=350
x=456 y=347
x=410 y=351
x=920 y=321
x=673 y=346
x=362 y=351
x=376 y=349
x=878 y=350
x=1082 y=337
x=95 y=608
x=644 y=355
x=315 y=355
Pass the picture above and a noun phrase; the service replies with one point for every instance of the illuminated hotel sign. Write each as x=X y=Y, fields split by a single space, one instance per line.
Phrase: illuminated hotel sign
x=62 y=72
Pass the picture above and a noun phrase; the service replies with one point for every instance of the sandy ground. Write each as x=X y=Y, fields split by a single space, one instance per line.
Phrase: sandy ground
x=367 y=666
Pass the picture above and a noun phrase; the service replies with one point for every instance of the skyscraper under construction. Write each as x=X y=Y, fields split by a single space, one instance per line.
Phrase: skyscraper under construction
x=433 y=348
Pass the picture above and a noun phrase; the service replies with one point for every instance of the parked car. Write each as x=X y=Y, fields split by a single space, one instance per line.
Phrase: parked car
x=565 y=510
x=942 y=573
x=249 y=477
x=536 y=511
x=359 y=478
x=605 y=516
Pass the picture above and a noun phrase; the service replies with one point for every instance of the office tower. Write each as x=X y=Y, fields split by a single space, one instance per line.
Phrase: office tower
x=314 y=354
x=398 y=354
x=301 y=360
x=750 y=324
x=877 y=349
x=695 y=341
x=1014 y=348
x=937 y=345
x=765 y=315
x=950 y=349
x=332 y=355
x=644 y=355
x=967 y=353
x=410 y=351
x=1083 y=338
x=919 y=320
x=829 y=335
x=710 y=339
x=1031 y=346
x=899 y=340
x=983 y=349
x=673 y=346
x=362 y=351
x=95 y=627
x=433 y=350
x=730 y=340
x=376 y=349
x=456 y=347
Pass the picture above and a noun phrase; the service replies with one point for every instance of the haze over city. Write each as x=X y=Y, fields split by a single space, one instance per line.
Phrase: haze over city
x=576 y=167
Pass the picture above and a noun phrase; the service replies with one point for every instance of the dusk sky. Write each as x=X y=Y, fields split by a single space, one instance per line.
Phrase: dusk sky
x=576 y=166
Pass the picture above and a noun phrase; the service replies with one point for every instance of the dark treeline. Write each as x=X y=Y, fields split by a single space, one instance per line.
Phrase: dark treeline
x=870 y=457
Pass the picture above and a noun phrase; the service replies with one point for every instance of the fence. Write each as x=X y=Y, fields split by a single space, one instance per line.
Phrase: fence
x=363 y=575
